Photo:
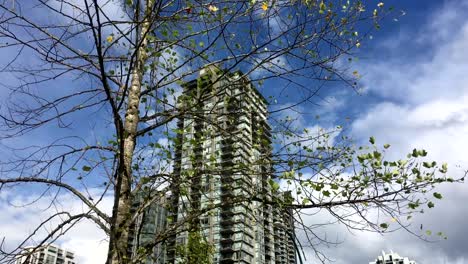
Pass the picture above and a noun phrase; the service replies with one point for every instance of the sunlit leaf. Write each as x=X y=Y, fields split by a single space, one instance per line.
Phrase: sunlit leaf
x=213 y=8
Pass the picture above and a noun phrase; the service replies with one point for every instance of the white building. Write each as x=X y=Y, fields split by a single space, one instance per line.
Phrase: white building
x=392 y=258
x=50 y=254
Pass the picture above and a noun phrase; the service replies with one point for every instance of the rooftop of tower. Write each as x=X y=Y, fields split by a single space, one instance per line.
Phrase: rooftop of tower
x=215 y=70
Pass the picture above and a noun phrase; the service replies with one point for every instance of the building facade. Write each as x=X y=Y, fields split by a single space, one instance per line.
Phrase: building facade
x=222 y=190
x=284 y=235
x=392 y=258
x=145 y=229
x=223 y=161
x=50 y=254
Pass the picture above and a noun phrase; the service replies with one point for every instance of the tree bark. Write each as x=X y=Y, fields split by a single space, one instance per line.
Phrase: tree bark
x=123 y=199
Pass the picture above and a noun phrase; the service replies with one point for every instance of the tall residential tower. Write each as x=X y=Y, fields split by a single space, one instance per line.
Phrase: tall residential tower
x=222 y=187
x=223 y=161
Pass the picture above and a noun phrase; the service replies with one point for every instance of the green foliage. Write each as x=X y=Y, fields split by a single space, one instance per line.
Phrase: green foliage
x=274 y=185
x=365 y=178
x=197 y=250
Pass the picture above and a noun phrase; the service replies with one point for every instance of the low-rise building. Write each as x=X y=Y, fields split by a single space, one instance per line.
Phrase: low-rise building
x=50 y=254
x=392 y=258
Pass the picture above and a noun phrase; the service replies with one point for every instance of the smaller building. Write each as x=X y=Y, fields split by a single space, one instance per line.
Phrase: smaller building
x=392 y=258
x=50 y=254
x=149 y=223
x=285 y=249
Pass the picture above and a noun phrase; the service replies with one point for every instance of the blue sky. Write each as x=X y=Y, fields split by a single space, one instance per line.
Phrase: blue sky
x=415 y=94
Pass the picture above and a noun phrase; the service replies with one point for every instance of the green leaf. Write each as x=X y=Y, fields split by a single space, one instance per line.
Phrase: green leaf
x=430 y=204
x=386 y=146
x=86 y=168
x=428 y=232
x=438 y=195
x=322 y=7
x=444 y=168
x=372 y=140
x=427 y=164
x=326 y=193
x=377 y=155
x=274 y=185
x=384 y=225
x=402 y=162
x=361 y=158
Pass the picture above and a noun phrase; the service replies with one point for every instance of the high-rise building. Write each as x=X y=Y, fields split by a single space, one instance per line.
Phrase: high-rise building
x=50 y=254
x=285 y=238
x=223 y=161
x=392 y=258
x=150 y=223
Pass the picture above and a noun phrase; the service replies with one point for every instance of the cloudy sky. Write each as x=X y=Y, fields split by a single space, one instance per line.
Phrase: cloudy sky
x=416 y=94
x=415 y=77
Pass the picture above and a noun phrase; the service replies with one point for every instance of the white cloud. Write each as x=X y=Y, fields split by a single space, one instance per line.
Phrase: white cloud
x=111 y=11
x=440 y=23
x=441 y=73
x=85 y=238
x=439 y=126
x=425 y=105
x=425 y=100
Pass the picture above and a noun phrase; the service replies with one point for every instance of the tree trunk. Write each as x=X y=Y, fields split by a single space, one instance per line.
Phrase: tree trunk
x=118 y=241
